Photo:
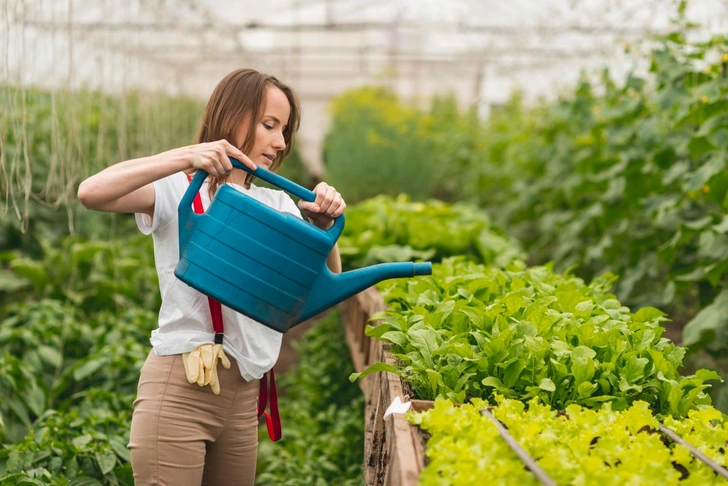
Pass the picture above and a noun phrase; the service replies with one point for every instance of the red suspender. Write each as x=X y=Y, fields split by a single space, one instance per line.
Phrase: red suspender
x=215 y=307
x=272 y=420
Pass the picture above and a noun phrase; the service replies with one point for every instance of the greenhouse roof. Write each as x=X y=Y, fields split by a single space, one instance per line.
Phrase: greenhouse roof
x=479 y=49
x=324 y=46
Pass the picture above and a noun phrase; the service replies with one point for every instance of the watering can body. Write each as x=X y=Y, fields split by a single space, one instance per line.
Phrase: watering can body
x=268 y=265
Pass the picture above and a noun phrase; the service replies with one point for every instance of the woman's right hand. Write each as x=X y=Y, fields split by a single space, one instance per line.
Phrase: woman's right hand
x=214 y=157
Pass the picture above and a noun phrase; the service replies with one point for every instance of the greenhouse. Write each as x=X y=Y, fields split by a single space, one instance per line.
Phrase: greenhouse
x=469 y=239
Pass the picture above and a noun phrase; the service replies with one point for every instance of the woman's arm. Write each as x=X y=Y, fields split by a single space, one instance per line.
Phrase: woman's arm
x=333 y=261
x=126 y=187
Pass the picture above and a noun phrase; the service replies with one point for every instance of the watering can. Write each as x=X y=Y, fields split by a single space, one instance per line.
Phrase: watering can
x=268 y=265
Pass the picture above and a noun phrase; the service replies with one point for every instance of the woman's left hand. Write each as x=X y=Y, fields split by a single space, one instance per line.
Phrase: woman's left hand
x=328 y=205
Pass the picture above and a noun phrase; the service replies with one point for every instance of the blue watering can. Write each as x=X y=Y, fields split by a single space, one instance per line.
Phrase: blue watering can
x=268 y=265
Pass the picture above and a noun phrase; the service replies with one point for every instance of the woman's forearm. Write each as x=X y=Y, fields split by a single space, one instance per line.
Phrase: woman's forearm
x=333 y=261
x=125 y=187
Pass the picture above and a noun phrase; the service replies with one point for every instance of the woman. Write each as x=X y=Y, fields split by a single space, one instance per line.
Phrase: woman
x=182 y=433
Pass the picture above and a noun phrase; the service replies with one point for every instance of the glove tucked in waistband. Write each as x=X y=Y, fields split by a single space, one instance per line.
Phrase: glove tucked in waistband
x=201 y=365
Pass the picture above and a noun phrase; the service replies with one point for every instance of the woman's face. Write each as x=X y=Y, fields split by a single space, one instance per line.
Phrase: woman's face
x=269 y=129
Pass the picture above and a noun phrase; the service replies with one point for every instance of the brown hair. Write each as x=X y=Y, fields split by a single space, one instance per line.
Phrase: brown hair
x=238 y=96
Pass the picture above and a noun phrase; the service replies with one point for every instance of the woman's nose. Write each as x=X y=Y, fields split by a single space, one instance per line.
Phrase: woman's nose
x=279 y=142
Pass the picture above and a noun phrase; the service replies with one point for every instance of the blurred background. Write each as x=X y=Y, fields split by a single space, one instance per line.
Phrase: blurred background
x=592 y=134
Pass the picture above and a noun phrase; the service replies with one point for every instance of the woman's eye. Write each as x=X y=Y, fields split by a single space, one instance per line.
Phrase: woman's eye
x=269 y=127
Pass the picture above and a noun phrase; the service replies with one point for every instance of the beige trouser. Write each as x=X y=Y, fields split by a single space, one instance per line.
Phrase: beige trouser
x=183 y=434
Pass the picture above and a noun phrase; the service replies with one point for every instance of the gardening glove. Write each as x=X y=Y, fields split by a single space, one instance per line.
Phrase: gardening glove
x=201 y=365
x=217 y=353
x=194 y=368
x=211 y=353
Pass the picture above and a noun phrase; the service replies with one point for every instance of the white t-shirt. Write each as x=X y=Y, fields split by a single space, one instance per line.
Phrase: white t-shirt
x=184 y=318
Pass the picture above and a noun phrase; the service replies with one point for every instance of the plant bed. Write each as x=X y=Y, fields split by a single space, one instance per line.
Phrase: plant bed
x=532 y=443
x=573 y=344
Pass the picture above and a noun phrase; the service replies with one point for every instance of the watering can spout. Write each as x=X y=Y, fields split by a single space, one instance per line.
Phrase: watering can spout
x=331 y=288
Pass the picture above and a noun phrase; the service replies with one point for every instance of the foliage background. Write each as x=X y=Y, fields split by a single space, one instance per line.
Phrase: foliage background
x=619 y=175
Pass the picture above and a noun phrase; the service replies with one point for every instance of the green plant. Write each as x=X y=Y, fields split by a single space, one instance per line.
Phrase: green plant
x=578 y=446
x=377 y=145
x=87 y=441
x=473 y=331
x=386 y=229
x=52 y=352
x=92 y=274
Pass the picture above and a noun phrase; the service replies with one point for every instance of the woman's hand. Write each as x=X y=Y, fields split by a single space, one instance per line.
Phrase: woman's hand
x=214 y=157
x=328 y=205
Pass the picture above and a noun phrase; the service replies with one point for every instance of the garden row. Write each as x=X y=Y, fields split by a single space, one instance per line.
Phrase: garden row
x=553 y=354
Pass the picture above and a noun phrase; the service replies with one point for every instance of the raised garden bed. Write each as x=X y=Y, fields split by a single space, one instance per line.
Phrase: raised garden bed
x=395 y=449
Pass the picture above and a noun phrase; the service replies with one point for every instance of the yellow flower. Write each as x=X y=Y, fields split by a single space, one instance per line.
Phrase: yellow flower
x=704 y=99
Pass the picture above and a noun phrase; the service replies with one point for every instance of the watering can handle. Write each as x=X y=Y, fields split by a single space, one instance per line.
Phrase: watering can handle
x=292 y=188
x=279 y=181
x=185 y=208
